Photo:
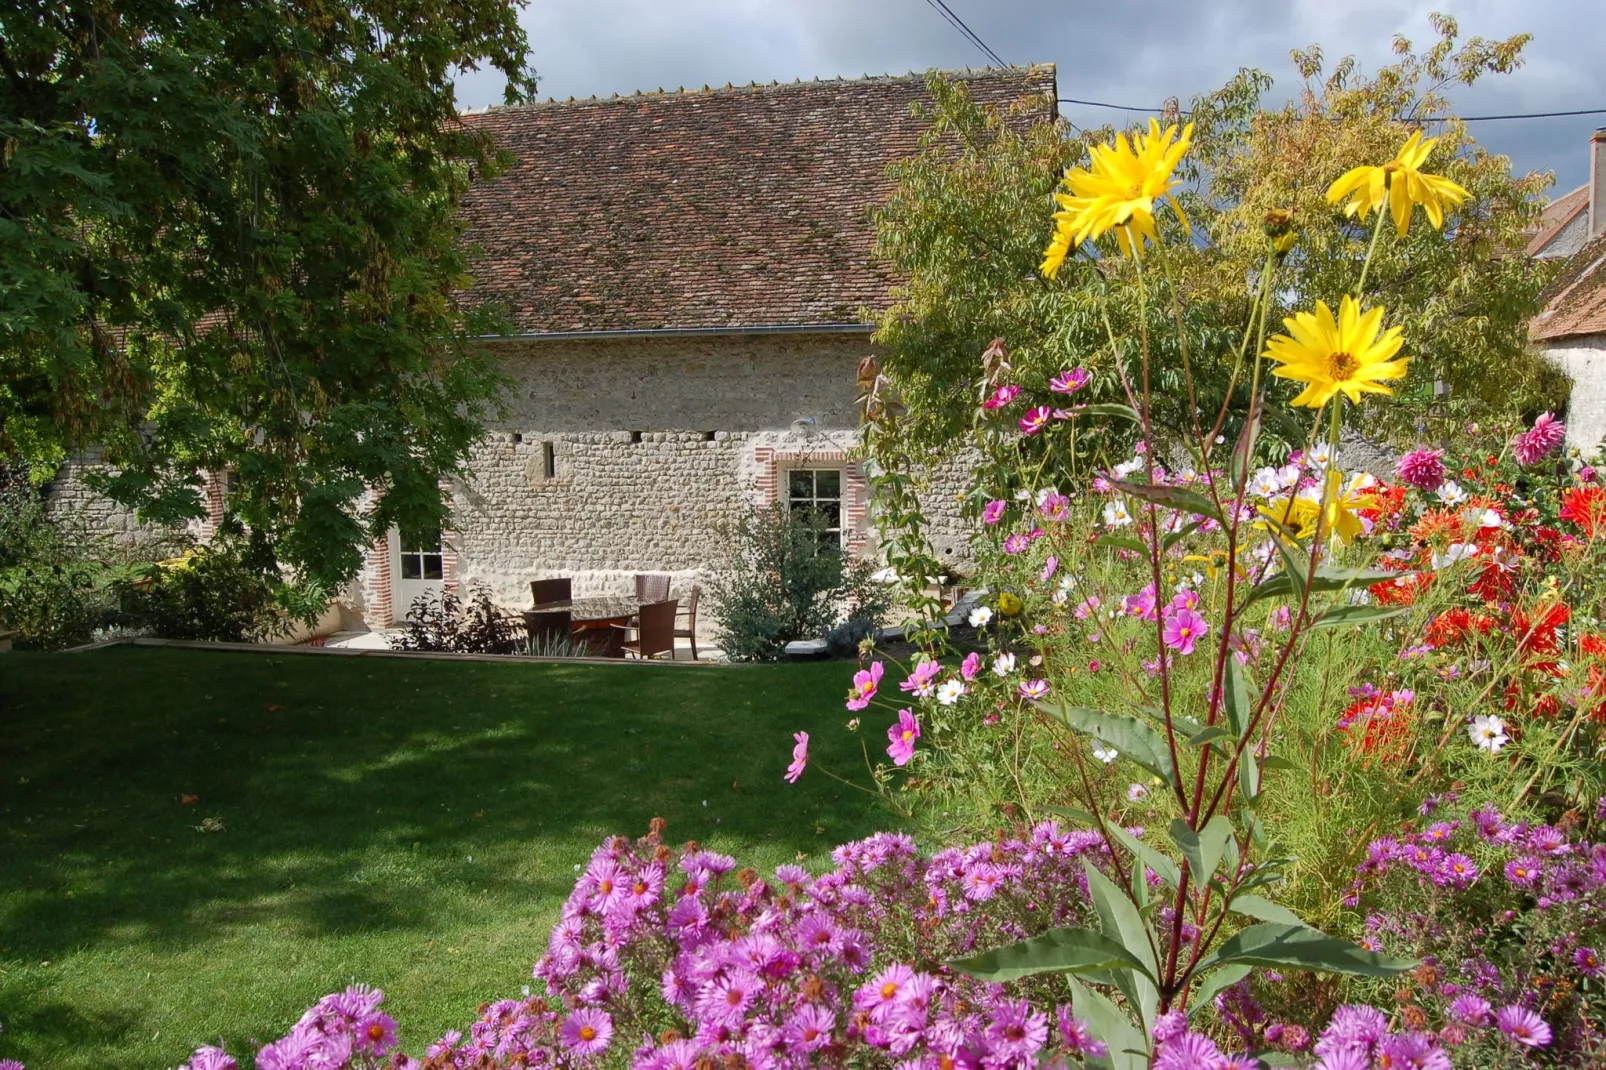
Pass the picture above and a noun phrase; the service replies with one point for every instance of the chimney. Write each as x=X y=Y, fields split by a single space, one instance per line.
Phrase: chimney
x=1597 y=182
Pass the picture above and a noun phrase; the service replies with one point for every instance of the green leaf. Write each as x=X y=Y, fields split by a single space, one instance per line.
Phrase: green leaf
x=1147 y=854
x=1122 y=542
x=1237 y=699
x=1344 y=616
x=1120 y=919
x=1253 y=906
x=1243 y=451
x=1280 y=945
x=1272 y=761
x=1208 y=735
x=1081 y=817
x=1249 y=775
x=1177 y=536
x=1220 y=979
x=1202 y=849
x=1129 y=1046
x=1108 y=408
x=1056 y=951
x=1179 y=498
x=1131 y=737
x=1328 y=578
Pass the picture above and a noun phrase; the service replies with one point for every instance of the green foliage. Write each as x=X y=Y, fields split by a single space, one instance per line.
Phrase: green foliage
x=221 y=592
x=229 y=240
x=785 y=581
x=443 y=622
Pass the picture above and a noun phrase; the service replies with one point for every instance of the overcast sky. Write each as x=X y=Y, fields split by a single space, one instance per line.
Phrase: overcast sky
x=1133 y=52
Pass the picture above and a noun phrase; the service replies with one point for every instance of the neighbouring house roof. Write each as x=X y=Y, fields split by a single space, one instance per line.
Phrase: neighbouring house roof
x=742 y=206
x=1557 y=214
x=1574 y=303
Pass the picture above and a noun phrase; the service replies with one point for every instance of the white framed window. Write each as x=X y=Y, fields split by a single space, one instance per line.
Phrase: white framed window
x=816 y=493
x=419 y=559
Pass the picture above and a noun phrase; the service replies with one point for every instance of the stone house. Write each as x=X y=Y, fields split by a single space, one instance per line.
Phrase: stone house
x=1571 y=325
x=690 y=282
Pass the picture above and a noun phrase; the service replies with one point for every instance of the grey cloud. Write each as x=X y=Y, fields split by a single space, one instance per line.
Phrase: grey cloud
x=1135 y=52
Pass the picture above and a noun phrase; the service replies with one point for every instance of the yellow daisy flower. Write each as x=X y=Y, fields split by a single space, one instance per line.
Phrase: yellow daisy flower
x=1329 y=355
x=1401 y=184
x=1119 y=191
x=1338 y=501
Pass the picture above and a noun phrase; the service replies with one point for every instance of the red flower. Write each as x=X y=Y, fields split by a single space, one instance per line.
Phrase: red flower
x=1586 y=507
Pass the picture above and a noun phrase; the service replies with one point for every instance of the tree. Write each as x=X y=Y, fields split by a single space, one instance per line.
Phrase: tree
x=229 y=241
x=969 y=218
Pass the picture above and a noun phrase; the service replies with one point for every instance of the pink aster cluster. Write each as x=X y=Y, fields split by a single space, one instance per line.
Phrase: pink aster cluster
x=1539 y=441
x=342 y=1030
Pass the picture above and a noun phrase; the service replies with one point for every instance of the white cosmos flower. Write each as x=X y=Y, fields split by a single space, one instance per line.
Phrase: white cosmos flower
x=1321 y=455
x=1288 y=475
x=1126 y=468
x=1105 y=753
x=949 y=690
x=1042 y=495
x=1489 y=733
x=1456 y=551
x=1115 y=514
x=1265 y=483
x=1004 y=664
x=1451 y=493
x=980 y=616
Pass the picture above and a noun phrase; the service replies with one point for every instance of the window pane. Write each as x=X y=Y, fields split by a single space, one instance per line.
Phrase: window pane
x=801 y=482
x=409 y=567
x=829 y=513
x=432 y=566
x=429 y=545
x=828 y=484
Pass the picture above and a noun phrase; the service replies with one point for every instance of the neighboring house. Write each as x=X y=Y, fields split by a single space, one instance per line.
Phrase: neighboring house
x=690 y=282
x=1571 y=325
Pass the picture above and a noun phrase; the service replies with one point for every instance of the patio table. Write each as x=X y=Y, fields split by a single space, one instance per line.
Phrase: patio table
x=594 y=619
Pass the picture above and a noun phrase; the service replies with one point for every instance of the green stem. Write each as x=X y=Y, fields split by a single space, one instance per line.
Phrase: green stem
x=1377 y=231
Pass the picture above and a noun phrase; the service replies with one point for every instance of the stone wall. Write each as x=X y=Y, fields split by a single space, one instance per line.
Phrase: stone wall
x=1584 y=359
x=69 y=500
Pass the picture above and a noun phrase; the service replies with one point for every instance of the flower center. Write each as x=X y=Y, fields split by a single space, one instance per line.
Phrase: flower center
x=1342 y=365
x=588 y=1032
x=376 y=1032
x=889 y=990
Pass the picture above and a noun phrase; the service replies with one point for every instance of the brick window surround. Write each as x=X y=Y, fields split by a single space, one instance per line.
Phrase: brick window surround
x=773 y=465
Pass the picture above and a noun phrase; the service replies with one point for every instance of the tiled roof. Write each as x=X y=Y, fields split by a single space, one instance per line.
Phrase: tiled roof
x=745 y=206
x=1574 y=303
x=1557 y=214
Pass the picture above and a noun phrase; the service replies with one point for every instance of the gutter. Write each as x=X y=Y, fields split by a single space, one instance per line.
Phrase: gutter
x=681 y=332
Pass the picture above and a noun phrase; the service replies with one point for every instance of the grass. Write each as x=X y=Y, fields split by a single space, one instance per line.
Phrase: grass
x=411 y=824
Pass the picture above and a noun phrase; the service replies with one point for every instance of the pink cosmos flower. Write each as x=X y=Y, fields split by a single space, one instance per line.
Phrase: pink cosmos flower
x=1055 y=506
x=587 y=1032
x=970 y=666
x=1036 y=419
x=1001 y=397
x=1183 y=629
x=864 y=686
x=1522 y=1025
x=1088 y=607
x=1140 y=605
x=1049 y=568
x=1422 y=469
x=1069 y=382
x=1034 y=689
x=993 y=511
x=1534 y=444
x=1017 y=543
x=923 y=681
x=901 y=738
x=800 y=757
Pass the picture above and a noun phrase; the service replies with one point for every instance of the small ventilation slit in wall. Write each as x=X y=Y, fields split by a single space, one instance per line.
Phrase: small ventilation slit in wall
x=708 y=436
x=517 y=438
x=635 y=436
x=549 y=460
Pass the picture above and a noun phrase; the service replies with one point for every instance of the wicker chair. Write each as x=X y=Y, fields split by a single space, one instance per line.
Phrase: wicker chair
x=651 y=587
x=656 y=633
x=690 y=630
x=545 y=592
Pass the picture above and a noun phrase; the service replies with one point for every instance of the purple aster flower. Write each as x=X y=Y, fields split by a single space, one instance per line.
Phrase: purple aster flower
x=1589 y=962
x=1489 y=821
x=1422 y=469
x=1524 y=872
x=1075 y=1036
x=1348 y=1059
x=1168 y=1025
x=880 y=996
x=1416 y=1050
x=726 y=999
x=1523 y=1026
x=375 y=1033
x=808 y=1029
x=1471 y=1009
x=1016 y=1031
x=1534 y=444
x=205 y=1058
x=1188 y=1051
x=1459 y=870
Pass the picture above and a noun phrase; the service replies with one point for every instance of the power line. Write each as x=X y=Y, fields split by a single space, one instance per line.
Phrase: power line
x=1429 y=119
x=958 y=23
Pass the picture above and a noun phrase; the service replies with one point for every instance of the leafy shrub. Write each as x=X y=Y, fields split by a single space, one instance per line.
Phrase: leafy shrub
x=217 y=592
x=55 y=591
x=444 y=622
x=783 y=581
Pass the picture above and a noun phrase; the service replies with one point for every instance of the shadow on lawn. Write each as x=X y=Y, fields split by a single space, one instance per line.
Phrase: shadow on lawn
x=363 y=795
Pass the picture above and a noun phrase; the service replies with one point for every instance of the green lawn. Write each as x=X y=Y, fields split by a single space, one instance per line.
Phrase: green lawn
x=411 y=824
